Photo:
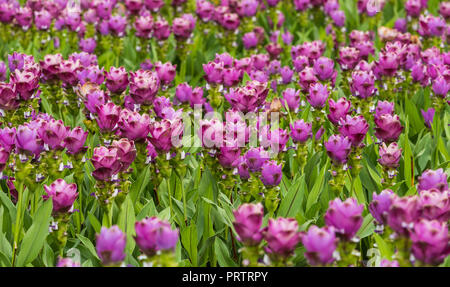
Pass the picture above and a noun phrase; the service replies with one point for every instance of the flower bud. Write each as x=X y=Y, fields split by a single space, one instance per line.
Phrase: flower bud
x=110 y=245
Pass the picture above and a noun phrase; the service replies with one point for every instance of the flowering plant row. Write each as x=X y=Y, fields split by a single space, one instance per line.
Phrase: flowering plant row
x=239 y=133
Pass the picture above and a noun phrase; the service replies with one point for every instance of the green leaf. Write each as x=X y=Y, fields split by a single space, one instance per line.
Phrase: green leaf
x=223 y=254
x=94 y=222
x=189 y=241
x=88 y=244
x=384 y=248
x=291 y=204
x=35 y=236
x=317 y=188
x=126 y=222
x=140 y=184
x=367 y=227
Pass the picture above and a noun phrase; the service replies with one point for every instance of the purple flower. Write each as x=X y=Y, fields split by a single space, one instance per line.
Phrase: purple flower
x=307 y=78
x=183 y=92
x=355 y=128
x=126 y=152
x=433 y=179
x=338 y=110
x=249 y=97
x=401 y=25
x=301 y=131
x=345 y=217
x=92 y=74
x=163 y=133
x=282 y=236
x=231 y=76
x=166 y=72
x=42 y=19
x=67 y=262
x=16 y=61
x=255 y=158
x=348 y=57
x=247 y=223
x=430 y=241
x=161 y=29
x=428 y=116
x=250 y=40
x=363 y=84
x=440 y=87
x=213 y=72
x=53 y=133
x=229 y=156
x=7 y=138
x=402 y=214
x=380 y=205
x=117 y=25
x=292 y=98
x=271 y=173
x=338 y=148
x=106 y=162
x=28 y=141
x=320 y=244
x=318 y=95
x=387 y=263
x=110 y=245
x=117 y=80
x=143 y=86
x=62 y=194
x=154 y=234
x=74 y=140
x=88 y=45
x=108 y=116
x=389 y=155
x=183 y=26
x=324 y=68
x=286 y=75
x=383 y=108
x=338 y=17
x=144 y=26
x=205 y=10
x=388 y=127
x=26 y=83
x=435 y=204
x=95 y=99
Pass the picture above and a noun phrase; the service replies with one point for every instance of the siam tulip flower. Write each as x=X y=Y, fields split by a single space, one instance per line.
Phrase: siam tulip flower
x=213 y=72
x=286 y=75
x=7 y=138
x=74 y=141
x=271 y=173
x=318 y=95
x=95 y=98
x=250 y=40
x=4 y=157
x=300 y=63
x=117 y=25
x=161 y=29
x=301 y=5
x=205 y=10
x=88 y=45
x=430 y=241
x=228 y=156
x=388 y=127
x=2 y=71
x=166 y=72
x=110 y=245
x=338 y=18
x=126 y=152
x=428 y=116
x=106 y=162
x=413 y=8
x=274 y=50
x=53 y=133
x=229 y=21
x=338 y=148
x=287 y=37
x=211 y=133
x=108 y=116
x=348 y=58
x=42 y=19
x=154 y=234
x=338 y=110
x=274 y=67
x=183 y=26
x=144 y=26
x=232 y=76
x=320 y=244
x=26 y=83
x=63 y=195
x=277 y=139
x=433 y=179
x=225 y=58
x=117 y=80
x=291 y=98
x=324 y=68
x=301 y=131
x=435 y=204
x=28 y=141
x=247 y=223
x=154 y=5
x=345 y=217
x=249 y=97
x=444 y=10
x=363 y=84
x=441 y=87
x=355 y=128
x=401 y=25
x=134 y=6
x=307 y=78
x=50 y=66
x=183 y=93
x=387 y=263
x=67 y=262
x=133 y=126
x=260 y=61
x=380 y=205
x=255 y=158
x=8 y=98
x=163 y=133
x=91 y=74
x=7 y=11
x=68 y=70
x=388 y=63
x=242 y=168
x=16 y=61
x=159 y=104
x=403 y=213
x=143 y=86
x=282 y=236
x=389 y=155
x=383 y=108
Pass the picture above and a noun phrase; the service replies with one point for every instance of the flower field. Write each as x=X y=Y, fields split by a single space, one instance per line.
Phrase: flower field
x=232 y=133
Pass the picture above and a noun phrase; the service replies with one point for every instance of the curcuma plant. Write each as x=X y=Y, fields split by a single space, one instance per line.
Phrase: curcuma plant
x=154 y=133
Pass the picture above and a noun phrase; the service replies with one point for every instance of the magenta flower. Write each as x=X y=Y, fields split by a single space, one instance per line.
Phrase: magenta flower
x=229 y=156
x=307 y=78
x=126 y=152
x=166 y=72
x=116 y=80
x=292 y=98
x=143 y=86
x=430 y=241
x=213 y=72
x=162 y=133
x=4 y=157
x=348 y=57
x=338 y=110
x=144 y=26
x=255 y=158
x=108 y=116
x=183 y=26
x=380 y=205
x=63 y=195
x=384 y=107
x=26 y=83
x=87 y=45
x=301 y=131
x=433 y=179
x=320 y=244
x=154 y=234
x=355 y=128
x=440 y=87
x=110 y=245
x=74 y=140
x=8 y=98
x=387 y=263
x=388 y=127
x=435 y=205
x=247 y=223
x=7 y=138
x=67 y=262
x=324 y=68
x=403 y=213
x=363 y=84
x=28 y=141
x=53 y=133
x=317 y=95
x=389 y=155
x=345 y=217
x=338 y=148
x=161 y=29
x=428 y=116
x=250 y=40
x=248 y=98
x=282 y=236
x=271 y=173
x=106 y=162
